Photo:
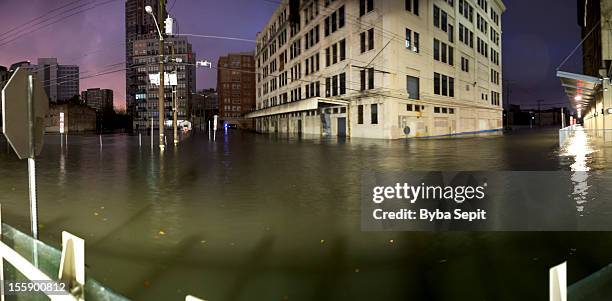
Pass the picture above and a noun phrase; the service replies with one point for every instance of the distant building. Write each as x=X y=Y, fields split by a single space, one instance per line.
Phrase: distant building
x=145 y=62
x=99 y=99
x=77 y=118
x=204 y=105
x=381 y=69
x=535 y=118
x=61 y=82
x=236 y=87
x=138 y=25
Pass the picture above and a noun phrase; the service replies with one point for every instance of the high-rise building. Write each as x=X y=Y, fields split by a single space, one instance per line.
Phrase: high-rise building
x=181 y=60
x=99 y=99
x=381 y=69
x=138 y=25
x=236 y=88
x=61 y=82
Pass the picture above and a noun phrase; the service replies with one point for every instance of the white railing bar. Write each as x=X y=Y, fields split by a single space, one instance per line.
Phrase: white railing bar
x=29 y=270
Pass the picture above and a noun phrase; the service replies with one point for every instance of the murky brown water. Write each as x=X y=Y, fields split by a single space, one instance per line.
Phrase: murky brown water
x=252 y=217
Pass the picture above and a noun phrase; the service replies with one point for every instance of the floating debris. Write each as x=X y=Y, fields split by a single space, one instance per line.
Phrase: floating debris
x=322 y=241
x=391 y=241
x=161 y=232
x=96 y=213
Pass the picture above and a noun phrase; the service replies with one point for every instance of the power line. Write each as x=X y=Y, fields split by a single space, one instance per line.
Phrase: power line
x=34 y=19
x=63 y=18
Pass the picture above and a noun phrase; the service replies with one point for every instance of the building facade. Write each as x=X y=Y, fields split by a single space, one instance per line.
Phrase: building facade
x=99 y=99
x=236 y=87
x=181 y=60
x=381 y=69
x=61 y=82
x=77 y=118
x=138 y=25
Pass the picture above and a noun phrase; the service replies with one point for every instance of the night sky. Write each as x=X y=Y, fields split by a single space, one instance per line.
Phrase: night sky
x=537 y=36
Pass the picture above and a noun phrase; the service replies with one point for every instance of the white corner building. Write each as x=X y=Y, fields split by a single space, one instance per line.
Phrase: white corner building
x=386 y=69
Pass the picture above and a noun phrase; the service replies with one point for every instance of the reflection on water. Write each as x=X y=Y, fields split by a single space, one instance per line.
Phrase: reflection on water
x=253 y=217
x=578 y=148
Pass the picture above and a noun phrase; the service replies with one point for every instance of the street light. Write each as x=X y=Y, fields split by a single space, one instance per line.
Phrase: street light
x=162 y=92
x=149 y=11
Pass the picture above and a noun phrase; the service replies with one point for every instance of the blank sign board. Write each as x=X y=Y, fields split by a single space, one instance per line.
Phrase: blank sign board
x=15 y=115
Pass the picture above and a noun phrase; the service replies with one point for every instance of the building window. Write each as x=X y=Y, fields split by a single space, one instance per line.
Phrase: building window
x=412 y=40
x=360 y=114
x=367 y=79
x=362 y=76
x=412 y=6
x=374 y=111
x=362 y=38
x=365 y=6
x=465 y=64
x=444 y=85
x=370 y=40
x=440 y=19
x=412 y=85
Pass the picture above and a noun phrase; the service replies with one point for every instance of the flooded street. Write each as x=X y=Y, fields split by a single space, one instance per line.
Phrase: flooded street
x=256 y=217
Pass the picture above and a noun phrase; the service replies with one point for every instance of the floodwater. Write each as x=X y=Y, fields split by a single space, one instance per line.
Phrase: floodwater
x=259 y=217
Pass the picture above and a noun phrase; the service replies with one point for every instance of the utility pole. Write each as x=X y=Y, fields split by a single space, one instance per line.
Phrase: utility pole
x=162 y=92
x=539 y=112
x=174 y=104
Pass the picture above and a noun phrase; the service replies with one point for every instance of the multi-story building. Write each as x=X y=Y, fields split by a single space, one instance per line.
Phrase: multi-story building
x=77 y=118
x=181 y=60
x=99 y=99
x=381 y=69
x=587 y=92
x=61 y=82
x=138 y=25
x=236 y=87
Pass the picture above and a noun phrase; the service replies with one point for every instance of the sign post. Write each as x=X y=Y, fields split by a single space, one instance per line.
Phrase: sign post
x=24 y=105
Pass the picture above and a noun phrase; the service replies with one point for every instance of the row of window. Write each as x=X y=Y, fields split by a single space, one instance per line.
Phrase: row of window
x=312 y=64
x=412 y=40
x=367 y=40
x=373 y=114
x=443 y=110
x=335 y=53
x=365 y=6
x=312 y=37
x=335 y=85
x=444 y=85
x=443 y=53
x=335 y=21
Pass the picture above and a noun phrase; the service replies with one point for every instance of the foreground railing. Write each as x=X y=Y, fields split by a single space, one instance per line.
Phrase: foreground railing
x=37 y=271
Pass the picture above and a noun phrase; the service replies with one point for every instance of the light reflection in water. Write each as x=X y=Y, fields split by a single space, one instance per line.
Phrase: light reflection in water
x=578 y=147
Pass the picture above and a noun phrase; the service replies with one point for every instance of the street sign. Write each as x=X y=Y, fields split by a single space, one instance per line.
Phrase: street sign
x=15 y=112
x=170 y=79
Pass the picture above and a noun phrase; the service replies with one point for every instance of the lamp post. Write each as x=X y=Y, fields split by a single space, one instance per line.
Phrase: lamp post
x=162 y=93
